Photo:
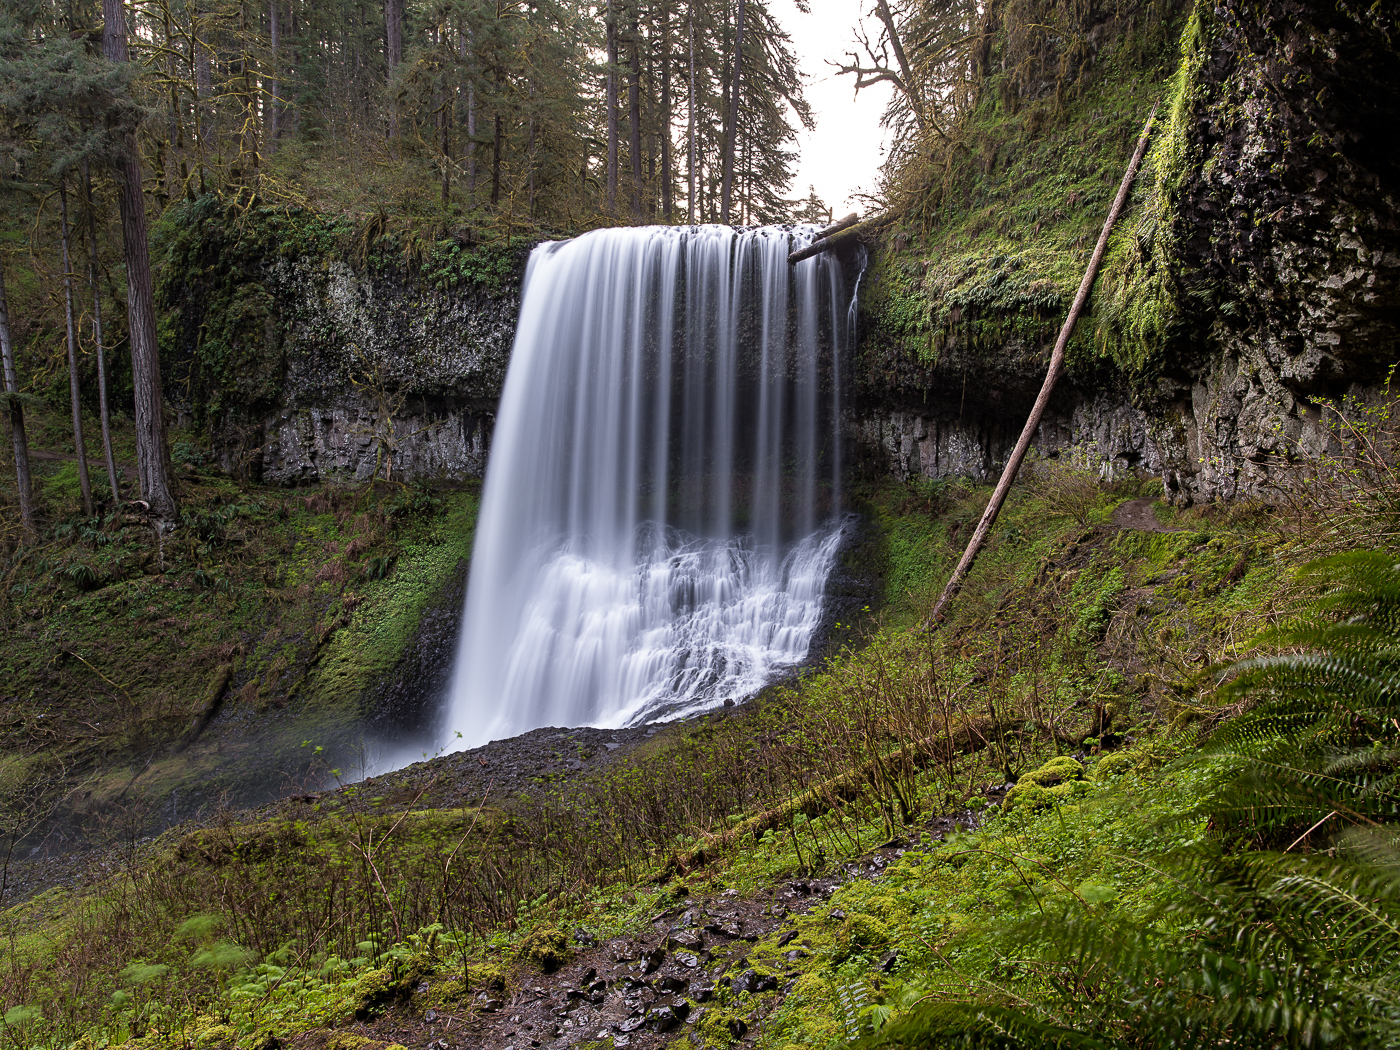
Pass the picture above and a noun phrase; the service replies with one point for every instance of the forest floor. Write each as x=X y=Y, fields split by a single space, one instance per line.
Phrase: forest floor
x=748 y=877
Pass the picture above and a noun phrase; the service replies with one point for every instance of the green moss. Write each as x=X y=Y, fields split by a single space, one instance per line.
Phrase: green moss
x=988 y=251
x=864 y=931
x=1139 y=302
x=390 y=610
x=1095 y=600
x=545 y=947
x=1114 y=764
x=1055 y=781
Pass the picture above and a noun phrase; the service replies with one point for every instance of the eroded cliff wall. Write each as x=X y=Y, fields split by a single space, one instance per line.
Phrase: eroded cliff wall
x=310 y=352
x=1254 y=285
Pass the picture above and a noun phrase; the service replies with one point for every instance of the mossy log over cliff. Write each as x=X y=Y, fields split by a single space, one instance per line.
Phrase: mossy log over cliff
x=311 y=350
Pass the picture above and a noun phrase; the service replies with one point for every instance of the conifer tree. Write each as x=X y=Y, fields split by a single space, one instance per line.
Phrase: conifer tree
x=152 y=456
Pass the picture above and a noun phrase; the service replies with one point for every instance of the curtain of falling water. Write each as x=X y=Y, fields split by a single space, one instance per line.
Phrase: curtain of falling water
x=662 y=502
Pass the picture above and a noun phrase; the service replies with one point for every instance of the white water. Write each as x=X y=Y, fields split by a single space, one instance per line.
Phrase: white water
x=662 y=501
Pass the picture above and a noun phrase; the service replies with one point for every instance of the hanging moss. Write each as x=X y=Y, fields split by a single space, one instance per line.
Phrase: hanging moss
x=986 y=261
x=1138 y=301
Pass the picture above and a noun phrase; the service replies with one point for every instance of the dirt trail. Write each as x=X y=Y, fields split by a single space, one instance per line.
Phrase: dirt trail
x=651 y=989
x=1138 y=514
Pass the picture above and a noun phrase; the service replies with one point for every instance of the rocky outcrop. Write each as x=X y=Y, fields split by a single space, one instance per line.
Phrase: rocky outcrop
x=379 y=375
x=1285 y=272
x=1288 y=232
x=1104 y=434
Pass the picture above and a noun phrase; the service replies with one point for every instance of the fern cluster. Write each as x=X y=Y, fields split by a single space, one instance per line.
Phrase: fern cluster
x=1285 y=931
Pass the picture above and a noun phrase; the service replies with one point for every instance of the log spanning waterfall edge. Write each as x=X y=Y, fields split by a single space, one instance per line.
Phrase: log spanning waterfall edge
x=663 y=499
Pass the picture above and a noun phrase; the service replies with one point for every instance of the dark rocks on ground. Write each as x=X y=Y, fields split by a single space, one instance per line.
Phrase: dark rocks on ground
x=690 y=940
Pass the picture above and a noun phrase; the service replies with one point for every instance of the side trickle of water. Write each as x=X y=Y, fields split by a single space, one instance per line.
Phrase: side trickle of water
x=662 y=503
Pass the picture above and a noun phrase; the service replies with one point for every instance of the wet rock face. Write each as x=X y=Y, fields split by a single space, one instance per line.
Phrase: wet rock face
x=1288 y=231
x=1288 y=260
x=1104 y=433
x=379 y=373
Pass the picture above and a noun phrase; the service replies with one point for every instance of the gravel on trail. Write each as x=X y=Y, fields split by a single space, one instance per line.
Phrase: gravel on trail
x=652 y=988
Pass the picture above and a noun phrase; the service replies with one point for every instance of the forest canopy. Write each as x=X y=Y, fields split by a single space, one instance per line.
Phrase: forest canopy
x=555 y=113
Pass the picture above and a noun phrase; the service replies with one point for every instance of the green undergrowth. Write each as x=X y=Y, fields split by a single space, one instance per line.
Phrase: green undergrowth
x=1073 y=638
x=200 y=663
x=382 y=624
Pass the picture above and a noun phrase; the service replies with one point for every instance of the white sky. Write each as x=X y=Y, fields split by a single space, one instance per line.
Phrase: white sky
x=841 y=156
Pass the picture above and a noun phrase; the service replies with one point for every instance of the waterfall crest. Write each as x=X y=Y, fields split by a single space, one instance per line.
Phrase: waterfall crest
x=662 y=501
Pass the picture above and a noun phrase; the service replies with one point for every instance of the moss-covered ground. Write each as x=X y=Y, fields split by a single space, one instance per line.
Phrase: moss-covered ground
x=1072 y=666
x=133 y=668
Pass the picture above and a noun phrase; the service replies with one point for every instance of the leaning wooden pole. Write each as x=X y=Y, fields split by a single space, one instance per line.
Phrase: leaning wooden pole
x=1052 y=375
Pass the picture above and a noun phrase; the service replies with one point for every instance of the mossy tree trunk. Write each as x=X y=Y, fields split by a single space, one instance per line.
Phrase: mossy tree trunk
x=15 y=415
x=79 y=446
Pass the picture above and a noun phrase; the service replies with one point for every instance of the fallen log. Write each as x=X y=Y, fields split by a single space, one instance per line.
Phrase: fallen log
x=967 y=738
x=843 y=234
x=837 y=226
x=1052 y=375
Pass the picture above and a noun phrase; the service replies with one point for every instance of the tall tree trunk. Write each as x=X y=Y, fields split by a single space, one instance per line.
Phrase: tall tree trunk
x=530 y=152
x=172 y=118
x=393 y=33
x=667 y=203
x=202 y=62
x=690 y=166
x=84 y=482
x=15 y=416
x=274 y=85
x=113 y=478
x=649 y=130
x=248 y=144
x=732 y=135
x=444 y=108
x=634 y=119
x=466 y=49
x=496 y=163
x=393 y=55
x=446 y=151
x=152 y=458
x=610 y=24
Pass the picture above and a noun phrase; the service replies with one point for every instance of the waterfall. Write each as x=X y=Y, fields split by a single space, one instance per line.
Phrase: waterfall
x=663 y=498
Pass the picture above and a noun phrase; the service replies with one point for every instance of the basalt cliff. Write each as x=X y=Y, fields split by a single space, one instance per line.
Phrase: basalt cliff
x=1249 y=293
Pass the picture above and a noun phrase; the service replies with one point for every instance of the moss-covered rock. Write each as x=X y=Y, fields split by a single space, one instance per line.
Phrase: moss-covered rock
x=1058 y=779
x=545 y=947
x=1114 y=764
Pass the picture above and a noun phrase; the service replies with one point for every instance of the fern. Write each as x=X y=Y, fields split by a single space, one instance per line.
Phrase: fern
x=1320 y=735
x=1265 y=948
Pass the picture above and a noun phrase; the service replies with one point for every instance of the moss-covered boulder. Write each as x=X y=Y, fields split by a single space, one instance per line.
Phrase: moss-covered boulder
x=545 y=947
x=1060 y=778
